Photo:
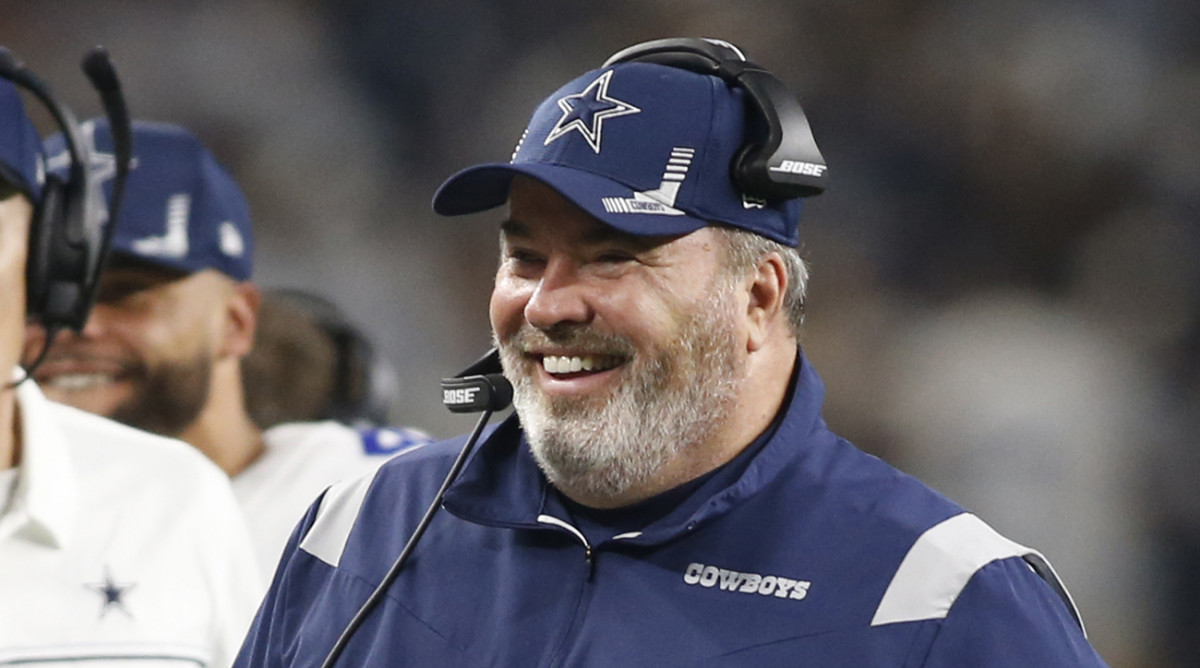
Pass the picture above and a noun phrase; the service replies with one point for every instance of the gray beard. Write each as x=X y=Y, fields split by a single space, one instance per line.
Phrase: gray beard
x=672 y=401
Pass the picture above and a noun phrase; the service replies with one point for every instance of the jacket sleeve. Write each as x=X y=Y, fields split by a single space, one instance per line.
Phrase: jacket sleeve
x=273 y=633
x=1008 y=617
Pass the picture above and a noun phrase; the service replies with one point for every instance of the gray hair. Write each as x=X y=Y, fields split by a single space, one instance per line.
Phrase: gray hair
x=744 y=250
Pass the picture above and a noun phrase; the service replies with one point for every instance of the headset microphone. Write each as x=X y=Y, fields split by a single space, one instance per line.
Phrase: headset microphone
x=100 y=71
x=480 y=387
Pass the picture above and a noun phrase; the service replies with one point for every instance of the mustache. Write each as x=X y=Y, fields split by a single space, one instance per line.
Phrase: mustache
x=124 y=366
x=529 y=338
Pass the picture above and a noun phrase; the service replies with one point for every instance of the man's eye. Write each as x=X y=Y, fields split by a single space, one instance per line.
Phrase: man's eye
x=615 y=257
x=112 y=294
x=523 y=257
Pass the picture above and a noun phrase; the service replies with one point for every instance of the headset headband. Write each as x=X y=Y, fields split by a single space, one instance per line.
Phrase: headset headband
x=784 y=162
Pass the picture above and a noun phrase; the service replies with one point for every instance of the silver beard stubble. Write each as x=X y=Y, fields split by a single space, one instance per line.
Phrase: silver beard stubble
x=672 y=399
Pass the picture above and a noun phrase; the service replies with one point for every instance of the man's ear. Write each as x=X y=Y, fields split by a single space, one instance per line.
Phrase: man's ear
x=768 y=285
x=241 y=319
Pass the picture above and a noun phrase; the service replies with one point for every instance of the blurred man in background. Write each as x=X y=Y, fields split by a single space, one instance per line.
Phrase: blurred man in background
x=175 y=316
x=115 y=545
x=310 y=362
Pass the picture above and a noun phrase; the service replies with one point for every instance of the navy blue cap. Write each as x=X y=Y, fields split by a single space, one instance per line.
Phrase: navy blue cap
x=20 y=146
x=642 y=147
x=181 y=210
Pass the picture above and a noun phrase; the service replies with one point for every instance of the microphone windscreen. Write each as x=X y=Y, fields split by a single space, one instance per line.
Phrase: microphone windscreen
x=99 y=69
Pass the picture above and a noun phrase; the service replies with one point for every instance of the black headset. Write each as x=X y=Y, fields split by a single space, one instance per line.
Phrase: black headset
x=780 y=158
x=69 y=237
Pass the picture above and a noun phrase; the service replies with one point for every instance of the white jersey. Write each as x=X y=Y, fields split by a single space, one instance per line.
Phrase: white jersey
x=119 y=547
x=301 y=461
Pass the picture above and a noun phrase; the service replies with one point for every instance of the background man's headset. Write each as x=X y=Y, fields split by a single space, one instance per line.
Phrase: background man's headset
x=365 y=384
x=777 y=130
x=69 y=240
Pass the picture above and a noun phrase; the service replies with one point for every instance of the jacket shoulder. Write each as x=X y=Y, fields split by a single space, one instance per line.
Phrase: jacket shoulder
x=377 y=504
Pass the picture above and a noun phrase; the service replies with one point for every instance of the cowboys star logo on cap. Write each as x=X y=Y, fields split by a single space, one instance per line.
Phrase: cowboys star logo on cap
x=587 y=111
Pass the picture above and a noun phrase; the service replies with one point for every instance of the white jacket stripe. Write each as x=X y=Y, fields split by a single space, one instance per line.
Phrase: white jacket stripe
x=335 y=518
x=938 y=566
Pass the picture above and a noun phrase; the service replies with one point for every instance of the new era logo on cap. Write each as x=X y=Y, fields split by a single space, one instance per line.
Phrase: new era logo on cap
x=182 y=209
x=645 y=148
x=661 y=200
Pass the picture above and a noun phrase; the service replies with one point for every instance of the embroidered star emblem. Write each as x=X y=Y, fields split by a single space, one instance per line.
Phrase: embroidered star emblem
x=112 y=593
x=587 y=111
x=103 y=167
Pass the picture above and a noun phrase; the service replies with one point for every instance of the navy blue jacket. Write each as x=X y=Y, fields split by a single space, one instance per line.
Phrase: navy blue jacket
x=815 y=554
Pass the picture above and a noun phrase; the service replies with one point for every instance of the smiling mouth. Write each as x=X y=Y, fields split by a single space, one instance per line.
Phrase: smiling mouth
x=560 y=365
x=77 y=382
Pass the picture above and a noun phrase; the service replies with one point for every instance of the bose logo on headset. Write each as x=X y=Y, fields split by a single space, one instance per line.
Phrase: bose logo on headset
x=459 y=396
x=798 y=167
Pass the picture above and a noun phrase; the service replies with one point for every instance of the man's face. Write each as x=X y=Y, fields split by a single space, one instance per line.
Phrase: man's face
x=15 y=214
x=623 y=350
x=145 y=356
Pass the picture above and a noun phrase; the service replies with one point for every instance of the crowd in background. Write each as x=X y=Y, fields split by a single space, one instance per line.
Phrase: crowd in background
x=1005 y=297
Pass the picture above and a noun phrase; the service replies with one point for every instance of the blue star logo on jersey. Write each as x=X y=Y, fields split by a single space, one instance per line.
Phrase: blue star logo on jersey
x=112 y=593
x=587 y=111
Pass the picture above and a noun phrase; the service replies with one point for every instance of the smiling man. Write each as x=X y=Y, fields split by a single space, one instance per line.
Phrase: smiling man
x=648 y=401
x=667 y=493
x=175 y=316
x=175 y=310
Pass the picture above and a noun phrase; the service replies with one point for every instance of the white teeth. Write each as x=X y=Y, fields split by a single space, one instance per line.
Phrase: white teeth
x=73 y=382
x=562 y=364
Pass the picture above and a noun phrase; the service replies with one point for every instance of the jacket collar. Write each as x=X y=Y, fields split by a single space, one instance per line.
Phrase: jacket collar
x=501 y=485
x=43 y=508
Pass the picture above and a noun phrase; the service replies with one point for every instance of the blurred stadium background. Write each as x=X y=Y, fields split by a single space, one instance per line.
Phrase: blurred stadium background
x=1005 y=295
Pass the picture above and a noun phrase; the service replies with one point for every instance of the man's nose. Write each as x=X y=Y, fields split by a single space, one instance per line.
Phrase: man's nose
x=96 y=324
x=561 y=296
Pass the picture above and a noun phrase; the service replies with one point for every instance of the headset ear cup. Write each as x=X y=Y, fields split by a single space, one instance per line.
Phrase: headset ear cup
x=748 y=168
x=780 y=159
x=741 y=171
x=366 y=385
x=47 y=219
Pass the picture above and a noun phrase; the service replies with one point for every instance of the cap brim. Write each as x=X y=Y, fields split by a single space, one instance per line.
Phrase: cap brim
x=126 y=258
x=484 y=187
x=13 y=178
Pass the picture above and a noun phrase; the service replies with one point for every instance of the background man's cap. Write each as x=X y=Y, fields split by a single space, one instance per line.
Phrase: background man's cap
x=182 y=210
x=20 y=146
x=645 y=148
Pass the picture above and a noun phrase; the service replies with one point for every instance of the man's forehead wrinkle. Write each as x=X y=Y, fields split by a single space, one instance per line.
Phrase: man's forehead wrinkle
x=599 y=233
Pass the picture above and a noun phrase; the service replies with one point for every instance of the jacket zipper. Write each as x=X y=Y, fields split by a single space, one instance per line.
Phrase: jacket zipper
x=587 y=547
x=572 y=630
